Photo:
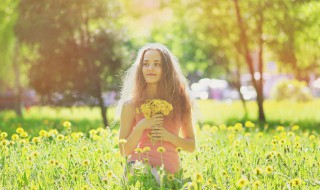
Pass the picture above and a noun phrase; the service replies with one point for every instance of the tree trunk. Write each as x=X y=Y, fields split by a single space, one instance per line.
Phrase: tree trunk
x=244 y=41
x=260 y=96
x=17 y=80
x=102 y=107
x=238 y=86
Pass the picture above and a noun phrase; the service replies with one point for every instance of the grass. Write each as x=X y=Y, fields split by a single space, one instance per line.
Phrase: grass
x=306 y=115
x=233 y=157
x=229 y=156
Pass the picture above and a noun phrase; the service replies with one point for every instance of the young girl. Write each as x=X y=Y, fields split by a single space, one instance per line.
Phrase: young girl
x=156 y=75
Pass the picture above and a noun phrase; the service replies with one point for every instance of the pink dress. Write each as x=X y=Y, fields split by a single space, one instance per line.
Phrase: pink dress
x=170 y=157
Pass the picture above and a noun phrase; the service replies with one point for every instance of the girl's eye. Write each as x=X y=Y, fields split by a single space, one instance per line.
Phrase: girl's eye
x=145 y=64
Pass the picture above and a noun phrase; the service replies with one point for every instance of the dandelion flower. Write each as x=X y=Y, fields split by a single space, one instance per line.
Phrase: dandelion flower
x=296 y=182
x=249 y=124
x=109 y=173
x=146 y=149
x=4 y=134
x=170 y=177
x=66 y=124
x=60 y=137
x=138 y=150
x=24 y=134
x=161 y=149
x=280 y=128
x=178 y=149
x=85 y=162
x=312 y=137
x=198 y=177
x=269 y=169
x=5 y=142
x=19 y=130
x=256 y=184
x=36 y=139
x=242 y=182
x=15 y=137
x=295 y=128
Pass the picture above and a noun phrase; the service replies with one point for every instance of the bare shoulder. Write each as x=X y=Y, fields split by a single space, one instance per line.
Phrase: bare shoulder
x=128 y=107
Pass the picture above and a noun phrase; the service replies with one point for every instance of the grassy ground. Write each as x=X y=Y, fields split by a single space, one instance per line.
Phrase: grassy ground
x=43 y=154
x=306 y=115
x=233 y=157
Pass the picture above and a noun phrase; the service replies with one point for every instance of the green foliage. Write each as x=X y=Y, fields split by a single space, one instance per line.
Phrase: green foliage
x=78 y=47
x=293 y=90
x=233 y=157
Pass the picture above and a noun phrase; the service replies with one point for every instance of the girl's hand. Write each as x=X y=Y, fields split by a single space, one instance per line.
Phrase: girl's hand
x=150 y=123
x=161 y=133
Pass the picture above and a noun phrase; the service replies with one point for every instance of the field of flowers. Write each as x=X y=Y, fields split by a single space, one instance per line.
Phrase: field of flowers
x=239 y=156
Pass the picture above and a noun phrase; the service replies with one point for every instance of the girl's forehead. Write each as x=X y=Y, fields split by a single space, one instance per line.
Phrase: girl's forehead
x=152 y=53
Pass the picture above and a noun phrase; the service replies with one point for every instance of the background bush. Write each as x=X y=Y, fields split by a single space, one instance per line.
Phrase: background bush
x=293 y=90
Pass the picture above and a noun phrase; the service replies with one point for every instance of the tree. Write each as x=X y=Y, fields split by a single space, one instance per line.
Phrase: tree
x=78 y=47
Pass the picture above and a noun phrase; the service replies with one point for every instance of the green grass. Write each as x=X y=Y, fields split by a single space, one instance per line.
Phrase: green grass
x=226 y=158
x=306 y=115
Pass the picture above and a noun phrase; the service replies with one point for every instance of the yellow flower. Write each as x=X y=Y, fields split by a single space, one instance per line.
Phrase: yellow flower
x=15 y=137
x=249 y=124
x=312 y=137
x=178 y=149
x=24 y=134
x=256 y=184
x=170 y=177
x=222 y=127
x=85 y=162
x=109 y=173
x=53 y=132
x=198 y=177
x=161 y=149
x=295 y=128
x=67 y=124
x=5 y=142
x=269 y=169
x=296 y=182
x=122 y=141
x=258 y=171
x=280 y=128
x=242 y=182
x=84 y=149
x=60 y=137
x=36 y=139
x=138 y=150
x=3 y=134
x=35 y=154
x=146 y=149
x=93 y=132
x=19 y=130
x=238 y=127
x=43 y=133
x=155 y=106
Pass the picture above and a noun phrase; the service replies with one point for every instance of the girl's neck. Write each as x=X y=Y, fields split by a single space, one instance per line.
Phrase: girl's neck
x=151 y=91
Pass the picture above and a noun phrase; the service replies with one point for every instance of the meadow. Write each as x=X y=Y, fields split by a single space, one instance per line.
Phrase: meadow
x=69 y=149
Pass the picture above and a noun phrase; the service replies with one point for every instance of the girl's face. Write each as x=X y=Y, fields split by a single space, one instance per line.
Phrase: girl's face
x=151 y=66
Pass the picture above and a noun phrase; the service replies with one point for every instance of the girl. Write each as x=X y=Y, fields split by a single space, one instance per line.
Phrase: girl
x=155 y=75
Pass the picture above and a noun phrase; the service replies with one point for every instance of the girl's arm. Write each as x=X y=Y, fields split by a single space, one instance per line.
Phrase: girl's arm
x=126 y=121
x=186 y=142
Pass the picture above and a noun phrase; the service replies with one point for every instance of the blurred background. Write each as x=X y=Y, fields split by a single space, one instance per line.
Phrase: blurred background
x=249 y=54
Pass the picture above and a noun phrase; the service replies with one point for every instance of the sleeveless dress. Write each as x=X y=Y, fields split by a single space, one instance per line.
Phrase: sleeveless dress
x=170 y=157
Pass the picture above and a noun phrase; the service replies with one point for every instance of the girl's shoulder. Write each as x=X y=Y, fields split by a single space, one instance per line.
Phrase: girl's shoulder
x=129 y=104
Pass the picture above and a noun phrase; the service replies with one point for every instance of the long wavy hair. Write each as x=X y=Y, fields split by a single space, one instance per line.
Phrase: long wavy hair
x=173 y=86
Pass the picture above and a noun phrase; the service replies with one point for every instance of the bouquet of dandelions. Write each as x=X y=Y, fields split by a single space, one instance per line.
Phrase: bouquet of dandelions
x=153 y=107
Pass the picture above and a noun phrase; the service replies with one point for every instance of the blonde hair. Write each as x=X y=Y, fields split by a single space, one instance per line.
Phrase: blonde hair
x=173 y=86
